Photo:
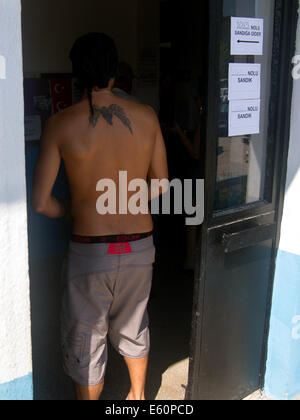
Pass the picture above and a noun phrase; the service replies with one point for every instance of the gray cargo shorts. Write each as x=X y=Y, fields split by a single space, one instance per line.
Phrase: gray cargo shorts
x=104 y=296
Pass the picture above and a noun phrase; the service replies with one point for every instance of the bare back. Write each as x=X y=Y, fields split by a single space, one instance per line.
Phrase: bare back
x=121 y=137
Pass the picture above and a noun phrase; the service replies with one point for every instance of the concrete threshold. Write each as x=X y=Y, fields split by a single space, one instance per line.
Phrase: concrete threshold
x=174 y=382
x=257 y=396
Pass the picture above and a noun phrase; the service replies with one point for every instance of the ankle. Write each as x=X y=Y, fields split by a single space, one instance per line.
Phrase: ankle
x=134 y=396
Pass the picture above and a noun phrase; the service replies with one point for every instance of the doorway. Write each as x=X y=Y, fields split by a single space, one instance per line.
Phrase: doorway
x=212 y=286
x=148 y=39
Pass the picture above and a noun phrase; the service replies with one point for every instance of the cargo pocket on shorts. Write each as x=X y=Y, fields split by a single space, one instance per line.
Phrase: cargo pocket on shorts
x=74 y=350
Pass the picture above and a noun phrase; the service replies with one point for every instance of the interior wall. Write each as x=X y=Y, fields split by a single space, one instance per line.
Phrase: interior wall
x=51 y=26
x=148 y=53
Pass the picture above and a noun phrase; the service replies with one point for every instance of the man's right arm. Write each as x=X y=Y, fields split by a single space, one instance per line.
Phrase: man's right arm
x=46 y=172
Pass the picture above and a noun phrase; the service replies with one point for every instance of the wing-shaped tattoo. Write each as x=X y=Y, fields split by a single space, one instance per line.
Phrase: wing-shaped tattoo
x=108 y=113
x=120 y=113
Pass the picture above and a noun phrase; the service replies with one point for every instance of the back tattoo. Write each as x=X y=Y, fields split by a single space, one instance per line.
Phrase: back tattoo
x=108 y=113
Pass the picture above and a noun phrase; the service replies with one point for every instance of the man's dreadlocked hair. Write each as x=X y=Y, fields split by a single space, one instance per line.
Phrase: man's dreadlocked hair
x=95 y=62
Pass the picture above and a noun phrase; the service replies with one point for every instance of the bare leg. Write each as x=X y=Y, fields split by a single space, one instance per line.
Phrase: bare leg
x=137 y=371
x=89 y=393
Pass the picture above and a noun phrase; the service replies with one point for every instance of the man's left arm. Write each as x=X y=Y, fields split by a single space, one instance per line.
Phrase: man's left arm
x=46 y=171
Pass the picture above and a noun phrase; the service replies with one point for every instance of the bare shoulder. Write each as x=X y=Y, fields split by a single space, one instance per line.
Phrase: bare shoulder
x=67 y=116
x=152 y=120
x=58 y=125
x=150 y=114
x=137 y=109
x=146 y=115
x=52 y=130
x=146 y=111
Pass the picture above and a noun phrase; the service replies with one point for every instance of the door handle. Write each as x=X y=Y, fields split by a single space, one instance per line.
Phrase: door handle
x=249 y=237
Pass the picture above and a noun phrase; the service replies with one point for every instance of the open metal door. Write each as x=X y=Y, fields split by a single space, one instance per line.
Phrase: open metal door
x=244 y=184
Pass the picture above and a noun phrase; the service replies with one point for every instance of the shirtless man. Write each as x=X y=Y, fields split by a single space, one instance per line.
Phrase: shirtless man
x=111 y=256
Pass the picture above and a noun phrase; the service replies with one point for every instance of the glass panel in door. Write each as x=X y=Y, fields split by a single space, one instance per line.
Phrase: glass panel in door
x=242 y=159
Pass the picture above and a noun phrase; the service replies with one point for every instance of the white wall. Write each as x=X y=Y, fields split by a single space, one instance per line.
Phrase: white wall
x=50 y=27
x=290 y=232
x=15 y=334
x=282 y=379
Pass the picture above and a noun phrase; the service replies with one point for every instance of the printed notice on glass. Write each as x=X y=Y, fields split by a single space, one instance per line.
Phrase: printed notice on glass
x=244 y=117
x=247 y=36
x=244 y=81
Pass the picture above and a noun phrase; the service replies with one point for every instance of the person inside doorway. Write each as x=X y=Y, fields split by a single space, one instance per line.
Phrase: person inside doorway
x=111 y=256
x=195 y=149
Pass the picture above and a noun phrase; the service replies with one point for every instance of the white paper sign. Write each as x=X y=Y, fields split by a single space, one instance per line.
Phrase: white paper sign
x=244 y=81
x=33 y=128
x=247 y=36
x=244 y=117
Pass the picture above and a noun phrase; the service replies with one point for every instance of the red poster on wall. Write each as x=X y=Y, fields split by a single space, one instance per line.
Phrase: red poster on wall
x=61 y=93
